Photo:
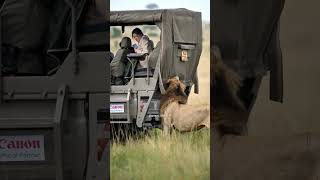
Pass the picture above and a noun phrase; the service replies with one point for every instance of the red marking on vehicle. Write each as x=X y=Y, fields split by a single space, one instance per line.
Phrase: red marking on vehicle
x=101 y=145
x=19 y=144
x=141 y=107
x=117 y=107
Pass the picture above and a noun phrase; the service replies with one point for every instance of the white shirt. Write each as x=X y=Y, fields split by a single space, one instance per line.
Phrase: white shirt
x=144 y=46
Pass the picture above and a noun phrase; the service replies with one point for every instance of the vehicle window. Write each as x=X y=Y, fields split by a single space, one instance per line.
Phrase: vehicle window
x=152 y=31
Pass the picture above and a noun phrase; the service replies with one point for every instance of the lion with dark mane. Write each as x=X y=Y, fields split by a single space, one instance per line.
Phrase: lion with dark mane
x=177 y=114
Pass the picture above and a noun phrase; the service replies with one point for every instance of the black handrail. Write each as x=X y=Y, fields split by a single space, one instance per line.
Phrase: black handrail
x=1 y=81
x=74 y=35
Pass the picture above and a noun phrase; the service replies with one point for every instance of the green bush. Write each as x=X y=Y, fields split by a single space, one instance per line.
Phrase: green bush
x=116 y=33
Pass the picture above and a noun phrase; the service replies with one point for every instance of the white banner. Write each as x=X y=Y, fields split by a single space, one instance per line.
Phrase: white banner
x=22 y=148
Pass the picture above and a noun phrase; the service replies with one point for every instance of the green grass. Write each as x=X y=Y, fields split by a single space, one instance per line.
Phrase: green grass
x=155 y=157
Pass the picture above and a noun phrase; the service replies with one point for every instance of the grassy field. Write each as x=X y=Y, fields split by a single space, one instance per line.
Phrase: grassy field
x=181 y=156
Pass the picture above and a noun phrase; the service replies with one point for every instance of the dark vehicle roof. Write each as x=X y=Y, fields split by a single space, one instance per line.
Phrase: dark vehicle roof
x=133 y=17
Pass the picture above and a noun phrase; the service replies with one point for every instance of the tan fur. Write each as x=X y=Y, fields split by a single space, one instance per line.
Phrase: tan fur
x=173 y=93
x=175 y=113
x=230 y=79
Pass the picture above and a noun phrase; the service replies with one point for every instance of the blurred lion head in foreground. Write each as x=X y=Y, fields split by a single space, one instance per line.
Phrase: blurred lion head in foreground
x=177 y=114
x=228 y=111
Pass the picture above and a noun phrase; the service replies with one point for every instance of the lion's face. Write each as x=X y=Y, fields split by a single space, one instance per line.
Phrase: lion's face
x=174 y=85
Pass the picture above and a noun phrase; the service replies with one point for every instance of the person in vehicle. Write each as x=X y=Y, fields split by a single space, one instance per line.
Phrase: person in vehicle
x=120 y=60
x=143 y=45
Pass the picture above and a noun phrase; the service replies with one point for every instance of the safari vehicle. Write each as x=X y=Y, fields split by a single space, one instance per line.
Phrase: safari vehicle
x=52 y=122
x=137 y=102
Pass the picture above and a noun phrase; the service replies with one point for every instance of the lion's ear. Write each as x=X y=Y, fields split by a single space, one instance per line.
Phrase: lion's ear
x=168 y=81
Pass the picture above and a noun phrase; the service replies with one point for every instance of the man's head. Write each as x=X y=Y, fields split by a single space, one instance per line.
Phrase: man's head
x=125 y=43
x=137 y=34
